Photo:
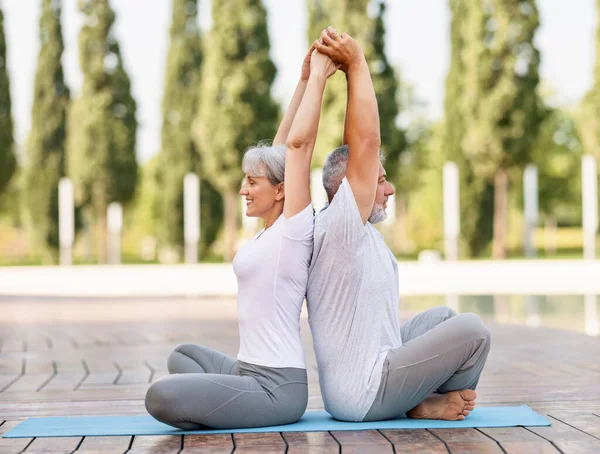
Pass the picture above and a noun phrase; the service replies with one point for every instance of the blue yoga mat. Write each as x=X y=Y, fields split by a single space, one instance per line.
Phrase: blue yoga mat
x=312 y=421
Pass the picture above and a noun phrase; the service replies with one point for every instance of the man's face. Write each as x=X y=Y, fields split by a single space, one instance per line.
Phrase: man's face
x=384 y=190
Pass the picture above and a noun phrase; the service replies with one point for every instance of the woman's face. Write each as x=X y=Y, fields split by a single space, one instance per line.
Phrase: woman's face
x=260 y=195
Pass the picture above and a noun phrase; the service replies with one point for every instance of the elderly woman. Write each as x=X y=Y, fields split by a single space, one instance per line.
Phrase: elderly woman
x=267 y=385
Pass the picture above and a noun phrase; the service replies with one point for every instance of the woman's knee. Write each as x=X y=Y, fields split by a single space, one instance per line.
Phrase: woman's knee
x=297 y=406
x=160 y=400
x=178 y=361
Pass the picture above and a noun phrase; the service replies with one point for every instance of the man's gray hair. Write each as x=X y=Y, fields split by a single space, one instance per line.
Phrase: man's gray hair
x=335 y=167
x=265 y=160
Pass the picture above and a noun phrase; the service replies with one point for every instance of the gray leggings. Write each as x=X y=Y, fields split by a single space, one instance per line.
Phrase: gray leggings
x=441 y=352
x=211 y=390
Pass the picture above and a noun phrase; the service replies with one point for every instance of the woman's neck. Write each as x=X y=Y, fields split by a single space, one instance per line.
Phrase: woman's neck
x=273 y=214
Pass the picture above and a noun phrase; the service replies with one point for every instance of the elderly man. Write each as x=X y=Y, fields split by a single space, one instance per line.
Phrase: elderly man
x=370 y=366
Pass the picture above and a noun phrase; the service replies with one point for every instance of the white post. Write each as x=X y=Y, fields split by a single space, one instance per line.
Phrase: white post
x=451 y=210
x=191 y=217
x=317 y=192
x=589 y=174
x=532 y=309
x=592 y=327
x=530 y=193
x=66 y=220
x=453 y=302
x=114 y=221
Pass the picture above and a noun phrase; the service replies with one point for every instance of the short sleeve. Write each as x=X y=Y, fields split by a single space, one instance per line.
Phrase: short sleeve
x=301 y=226
x=343 y=218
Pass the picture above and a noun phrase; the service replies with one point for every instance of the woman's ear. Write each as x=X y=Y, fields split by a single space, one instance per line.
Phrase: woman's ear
x=280 y=194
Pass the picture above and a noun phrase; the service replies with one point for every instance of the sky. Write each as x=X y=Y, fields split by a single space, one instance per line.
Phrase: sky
x=417 y=44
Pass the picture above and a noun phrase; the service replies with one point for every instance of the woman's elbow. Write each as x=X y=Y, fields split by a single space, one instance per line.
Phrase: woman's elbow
x=296 y=143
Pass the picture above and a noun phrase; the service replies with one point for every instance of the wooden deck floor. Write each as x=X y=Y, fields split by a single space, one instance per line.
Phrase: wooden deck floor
x=97 y=357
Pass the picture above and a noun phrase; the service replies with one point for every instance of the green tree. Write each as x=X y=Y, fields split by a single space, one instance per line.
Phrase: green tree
x=178 y=154
x=351 y=16
x=8 y=161
x=102 y=124
x=590 y=108
x=557 y=153
x=46 y=144
x=386 y=84
x=236 y=108
x=501 y=104
x=348 y=16
x=476 y=194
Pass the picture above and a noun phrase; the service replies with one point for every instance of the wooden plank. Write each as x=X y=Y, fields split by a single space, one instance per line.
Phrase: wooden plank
x=310 y=442
x=12 y=445
x=415 y=441
x=159 y=444
x=135 y=372
x=567 y=438
x=55 y=445
x=97 y=445
x=265 y=443
x=362 y=441
x=69 y=376
x=38 y=373
x=12 y=345
x=518 y=440
x=207 y=444
x=586 y=422
x=11 y=365
x=102 y=372
x=467 y=441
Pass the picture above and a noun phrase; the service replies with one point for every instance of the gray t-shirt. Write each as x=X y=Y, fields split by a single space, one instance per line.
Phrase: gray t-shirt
x=352 y=301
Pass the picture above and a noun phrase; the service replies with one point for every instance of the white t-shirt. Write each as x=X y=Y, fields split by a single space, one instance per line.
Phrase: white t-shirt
x=353 y=306
x=272 y=273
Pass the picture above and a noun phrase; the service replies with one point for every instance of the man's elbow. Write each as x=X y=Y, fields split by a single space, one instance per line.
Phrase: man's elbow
x=372 y=142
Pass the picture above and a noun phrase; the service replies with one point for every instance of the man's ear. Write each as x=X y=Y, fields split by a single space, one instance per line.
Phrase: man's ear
x=280 y=194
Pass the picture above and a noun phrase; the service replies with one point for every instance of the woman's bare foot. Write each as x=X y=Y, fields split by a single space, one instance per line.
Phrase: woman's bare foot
x=452 y=406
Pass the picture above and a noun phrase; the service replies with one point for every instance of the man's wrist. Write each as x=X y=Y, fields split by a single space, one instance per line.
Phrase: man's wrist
x=356 y=65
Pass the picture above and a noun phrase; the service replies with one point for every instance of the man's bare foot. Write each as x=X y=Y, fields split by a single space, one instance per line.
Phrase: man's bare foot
x=452 y=406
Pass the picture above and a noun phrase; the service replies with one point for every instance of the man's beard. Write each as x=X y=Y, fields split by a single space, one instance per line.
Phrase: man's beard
x=378 y=214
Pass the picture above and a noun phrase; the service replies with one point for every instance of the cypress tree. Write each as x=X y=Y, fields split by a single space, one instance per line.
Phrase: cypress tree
x=46 y=144
x=385 y=82
x=501 y=105
x=236 y=107
x=102 y=124
x=590 y=118
x=348 y=16
x=8 y=161
x=178 y=154
x=476 y=194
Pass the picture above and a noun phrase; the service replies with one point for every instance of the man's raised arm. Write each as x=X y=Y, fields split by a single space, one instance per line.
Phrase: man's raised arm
x=362 y=118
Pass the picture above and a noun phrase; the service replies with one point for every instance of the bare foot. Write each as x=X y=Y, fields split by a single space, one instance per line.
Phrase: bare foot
x=452 y=406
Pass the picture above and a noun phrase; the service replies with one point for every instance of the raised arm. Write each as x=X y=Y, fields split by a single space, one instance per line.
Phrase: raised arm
x=362 y=119
x=345 y=135
x=290 y=113
x=302 y=136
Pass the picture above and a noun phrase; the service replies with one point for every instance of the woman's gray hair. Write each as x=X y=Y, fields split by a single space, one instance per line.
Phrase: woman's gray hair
x=265 y=160
x=335 y=167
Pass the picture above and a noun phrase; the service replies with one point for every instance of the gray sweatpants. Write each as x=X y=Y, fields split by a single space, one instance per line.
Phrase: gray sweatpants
x=441 y=352
x=210 y=389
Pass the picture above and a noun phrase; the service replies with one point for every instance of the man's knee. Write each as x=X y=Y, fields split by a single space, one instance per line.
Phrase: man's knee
x=473 y=326
x=443 y=312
